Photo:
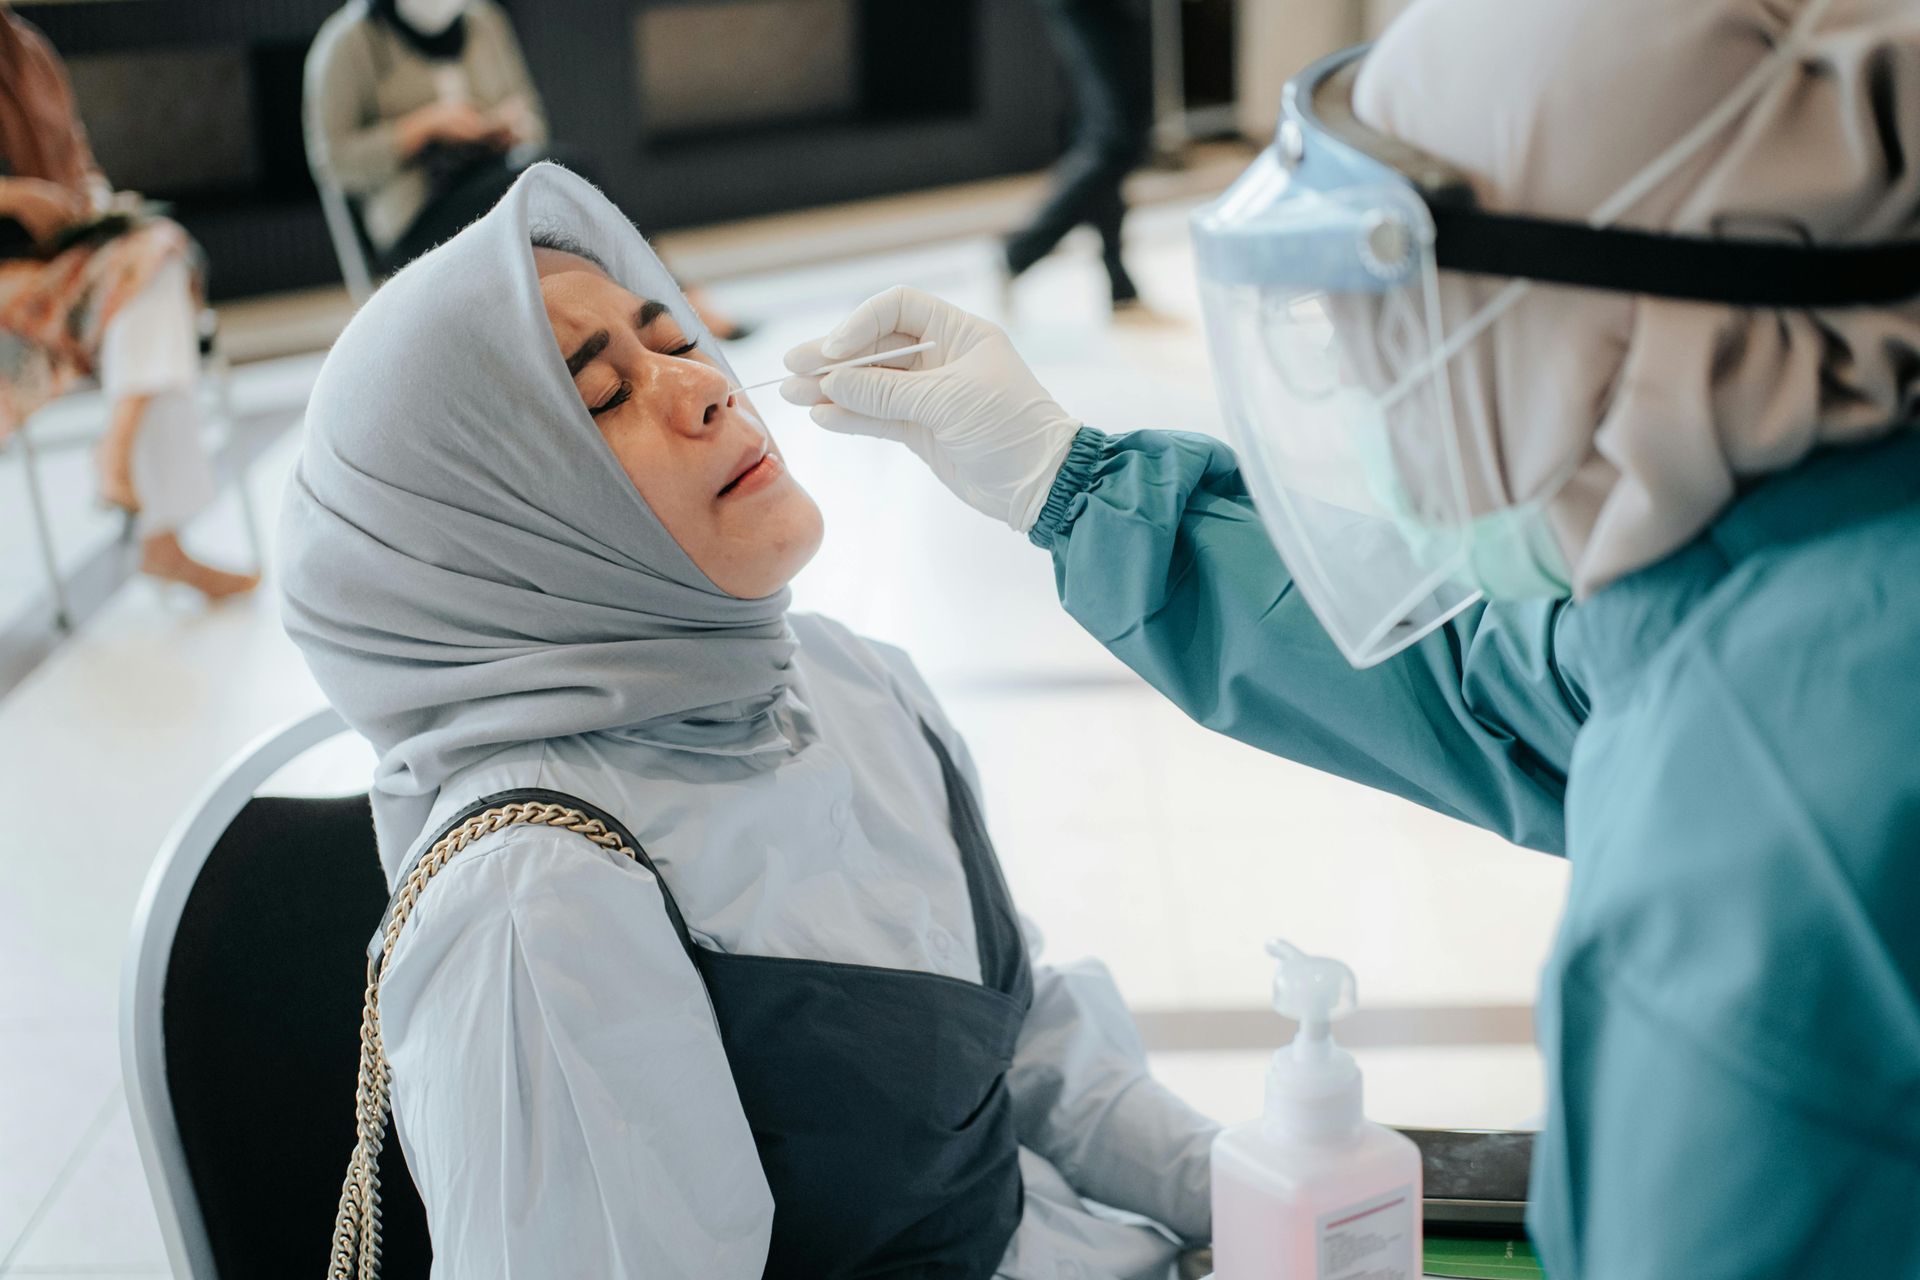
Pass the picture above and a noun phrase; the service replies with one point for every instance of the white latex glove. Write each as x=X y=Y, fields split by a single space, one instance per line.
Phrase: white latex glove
x=970 y=407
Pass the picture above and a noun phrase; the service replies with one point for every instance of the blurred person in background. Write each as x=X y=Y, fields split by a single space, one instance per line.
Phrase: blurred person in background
x=423 y=112
x=91 y=286
x=1104 y=44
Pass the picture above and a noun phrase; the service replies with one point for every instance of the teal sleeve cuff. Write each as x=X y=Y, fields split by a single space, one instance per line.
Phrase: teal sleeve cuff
x=1071 y=482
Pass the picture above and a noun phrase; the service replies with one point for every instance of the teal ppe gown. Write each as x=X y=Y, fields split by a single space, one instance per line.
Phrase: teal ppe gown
x=1725 y=745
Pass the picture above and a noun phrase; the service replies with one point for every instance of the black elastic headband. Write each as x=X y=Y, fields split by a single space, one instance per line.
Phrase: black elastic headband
x=1740 y=273
x=1733 y=272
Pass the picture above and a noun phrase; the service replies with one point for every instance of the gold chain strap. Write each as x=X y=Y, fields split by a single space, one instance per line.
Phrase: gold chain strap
x=356 y=1227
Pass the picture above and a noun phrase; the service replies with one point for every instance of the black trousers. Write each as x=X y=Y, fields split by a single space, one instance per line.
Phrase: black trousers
x=1105 y=45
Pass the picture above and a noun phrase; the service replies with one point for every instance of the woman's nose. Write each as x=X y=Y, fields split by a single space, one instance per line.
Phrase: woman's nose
x=699 y=394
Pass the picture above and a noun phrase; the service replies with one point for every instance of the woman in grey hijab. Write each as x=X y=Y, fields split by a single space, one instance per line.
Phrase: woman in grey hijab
x=537 y=549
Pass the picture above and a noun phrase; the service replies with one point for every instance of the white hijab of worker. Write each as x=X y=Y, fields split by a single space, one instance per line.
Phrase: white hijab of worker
x=465 y=564
x=1642 y=418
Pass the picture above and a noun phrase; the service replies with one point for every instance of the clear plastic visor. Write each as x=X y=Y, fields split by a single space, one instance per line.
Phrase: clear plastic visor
x=1331 y=361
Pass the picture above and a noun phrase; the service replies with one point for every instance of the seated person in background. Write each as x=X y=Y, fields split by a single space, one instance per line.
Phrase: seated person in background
x=423 y=113
x=88 y=287
x=537 y=541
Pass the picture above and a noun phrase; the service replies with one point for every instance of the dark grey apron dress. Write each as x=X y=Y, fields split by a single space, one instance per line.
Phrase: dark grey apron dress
x=877 y=1097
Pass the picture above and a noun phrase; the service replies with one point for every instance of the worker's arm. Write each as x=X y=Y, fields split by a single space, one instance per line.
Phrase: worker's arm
x=1159 y=553
x=559 y=1083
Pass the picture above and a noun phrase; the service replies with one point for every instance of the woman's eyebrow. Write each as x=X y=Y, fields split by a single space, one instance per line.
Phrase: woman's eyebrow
x=588 y=350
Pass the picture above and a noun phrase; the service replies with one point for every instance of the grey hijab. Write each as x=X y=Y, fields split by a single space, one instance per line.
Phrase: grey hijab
x=464 y=563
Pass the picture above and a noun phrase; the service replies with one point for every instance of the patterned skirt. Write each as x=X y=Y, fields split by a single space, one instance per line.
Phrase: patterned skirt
x=54 y=312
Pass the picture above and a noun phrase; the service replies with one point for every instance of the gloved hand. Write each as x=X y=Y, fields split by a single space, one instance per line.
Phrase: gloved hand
x=970 y=407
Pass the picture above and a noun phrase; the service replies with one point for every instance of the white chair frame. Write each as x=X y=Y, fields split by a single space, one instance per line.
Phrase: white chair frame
x=349 y=246
x=143 y=980
x=219 y=373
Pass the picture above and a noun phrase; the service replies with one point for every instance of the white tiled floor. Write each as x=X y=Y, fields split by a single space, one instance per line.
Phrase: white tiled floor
x=1127 y=831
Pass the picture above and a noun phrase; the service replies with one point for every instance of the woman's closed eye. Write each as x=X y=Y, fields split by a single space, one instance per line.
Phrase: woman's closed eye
x=624 y=392
x=621 y=394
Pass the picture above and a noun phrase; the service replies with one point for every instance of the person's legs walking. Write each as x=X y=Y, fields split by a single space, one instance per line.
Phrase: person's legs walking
x=1106 y=215
x=1102 y=44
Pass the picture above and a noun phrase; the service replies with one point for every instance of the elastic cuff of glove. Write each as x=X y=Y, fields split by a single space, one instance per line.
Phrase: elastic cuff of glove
x=1072 y=480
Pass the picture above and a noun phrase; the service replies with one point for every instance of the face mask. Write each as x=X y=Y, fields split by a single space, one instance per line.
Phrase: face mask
x=430 y=17
x=1512 y=555
x=1508 y=554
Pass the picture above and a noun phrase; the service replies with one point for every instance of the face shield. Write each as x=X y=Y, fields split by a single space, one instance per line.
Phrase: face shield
x=1321 y=315
x=1331 y=340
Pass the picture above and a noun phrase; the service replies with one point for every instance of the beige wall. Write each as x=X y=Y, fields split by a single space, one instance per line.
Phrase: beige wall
x=1278 y=37
x=1381 y=12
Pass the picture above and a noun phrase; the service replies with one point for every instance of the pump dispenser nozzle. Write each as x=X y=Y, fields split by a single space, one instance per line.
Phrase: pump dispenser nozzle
x=1313 y=1085
x=1315 y=991
x=1311 y=1187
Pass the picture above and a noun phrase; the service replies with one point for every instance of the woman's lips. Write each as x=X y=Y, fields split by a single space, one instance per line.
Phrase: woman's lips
x=755 y=478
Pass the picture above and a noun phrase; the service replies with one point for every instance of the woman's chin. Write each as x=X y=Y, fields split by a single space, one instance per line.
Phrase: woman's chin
x=780 y=534
x=805 y=531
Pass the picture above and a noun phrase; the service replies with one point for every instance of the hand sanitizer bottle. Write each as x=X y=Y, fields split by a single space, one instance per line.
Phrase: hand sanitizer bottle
x=1312 y=1190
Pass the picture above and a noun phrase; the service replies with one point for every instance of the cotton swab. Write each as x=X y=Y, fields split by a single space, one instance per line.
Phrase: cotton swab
x=855 y=363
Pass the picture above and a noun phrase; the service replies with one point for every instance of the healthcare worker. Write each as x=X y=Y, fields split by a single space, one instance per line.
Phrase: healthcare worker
x=1570 y=351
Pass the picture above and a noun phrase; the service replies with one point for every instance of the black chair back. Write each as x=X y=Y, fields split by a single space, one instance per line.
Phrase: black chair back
x=262 y=1031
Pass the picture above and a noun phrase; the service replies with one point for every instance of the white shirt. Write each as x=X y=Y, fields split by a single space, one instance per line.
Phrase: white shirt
x=560 y=1087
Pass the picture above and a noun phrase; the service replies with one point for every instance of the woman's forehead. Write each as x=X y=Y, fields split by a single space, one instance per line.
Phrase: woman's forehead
x=552 y=262
x=579 y=292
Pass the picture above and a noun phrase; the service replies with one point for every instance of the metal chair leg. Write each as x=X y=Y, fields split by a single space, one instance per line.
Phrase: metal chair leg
x=43 y=530
x=222 y=371
x=252 y=522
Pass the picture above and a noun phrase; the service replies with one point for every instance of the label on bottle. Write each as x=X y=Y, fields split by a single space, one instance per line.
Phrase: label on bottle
x=1369 y=1239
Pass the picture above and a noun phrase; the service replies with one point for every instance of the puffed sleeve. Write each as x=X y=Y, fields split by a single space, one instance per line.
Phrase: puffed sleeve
x=1084 y=1098
x=560 y=1088
x=1159 y=554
